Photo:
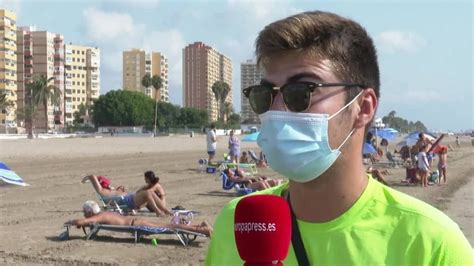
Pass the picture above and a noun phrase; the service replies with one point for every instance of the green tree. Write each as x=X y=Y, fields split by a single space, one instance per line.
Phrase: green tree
x=157 y=83
x=233 y=121
x=402 y=125
x=220 y=90
x=123 y=108
x=228 y=110
x=41 y=93
x=83 y=110
x=191 y=117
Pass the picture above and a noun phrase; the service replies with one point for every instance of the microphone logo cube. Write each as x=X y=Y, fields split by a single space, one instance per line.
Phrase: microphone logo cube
x=262 y=228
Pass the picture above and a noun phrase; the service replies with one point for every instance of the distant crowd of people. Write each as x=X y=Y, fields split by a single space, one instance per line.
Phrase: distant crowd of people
x=419 y=157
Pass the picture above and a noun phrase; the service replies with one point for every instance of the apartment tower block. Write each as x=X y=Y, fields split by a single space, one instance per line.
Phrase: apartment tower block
x=41 y=53
x=136 y=64
x=82 y=78
x=202 y=66
x=8 y=65
x=250 y=75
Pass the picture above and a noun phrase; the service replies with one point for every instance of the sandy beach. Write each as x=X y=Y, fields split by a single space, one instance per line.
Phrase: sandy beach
x=32 y=217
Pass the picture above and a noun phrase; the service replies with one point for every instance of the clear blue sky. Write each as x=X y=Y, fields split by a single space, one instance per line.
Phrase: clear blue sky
x=425 y=47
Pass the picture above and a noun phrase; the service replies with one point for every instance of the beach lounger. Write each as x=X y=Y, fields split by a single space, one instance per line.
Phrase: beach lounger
x=253 y=156
x=239 y=188
x=184 y=236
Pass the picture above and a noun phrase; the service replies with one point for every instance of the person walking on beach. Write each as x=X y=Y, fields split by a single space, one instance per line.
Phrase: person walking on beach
x=234 y=147
x=211 y=139
x=318 y=96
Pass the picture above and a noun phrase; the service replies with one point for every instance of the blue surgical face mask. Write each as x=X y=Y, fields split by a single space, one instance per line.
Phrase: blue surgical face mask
x=297 y=144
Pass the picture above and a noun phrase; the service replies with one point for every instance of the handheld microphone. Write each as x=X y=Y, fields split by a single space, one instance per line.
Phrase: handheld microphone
x=262 y=228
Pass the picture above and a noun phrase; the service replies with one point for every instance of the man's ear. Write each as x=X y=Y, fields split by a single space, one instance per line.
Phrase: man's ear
x=367 y=107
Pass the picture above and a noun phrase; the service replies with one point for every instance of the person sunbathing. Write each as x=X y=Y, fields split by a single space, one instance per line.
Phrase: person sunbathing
x=254 y=182
x=93 y=215
x=151 y=195
x=244 y=158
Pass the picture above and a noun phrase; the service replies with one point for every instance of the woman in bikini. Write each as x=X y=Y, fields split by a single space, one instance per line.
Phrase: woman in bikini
x=151 y=195
x=93 y=215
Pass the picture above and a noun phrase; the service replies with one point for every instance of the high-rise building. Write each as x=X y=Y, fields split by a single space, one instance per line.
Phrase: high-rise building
x=82 y=78
x=41 y=53
x=8 y=64
x=202 y=66
x=250 y=75
x=136 y=64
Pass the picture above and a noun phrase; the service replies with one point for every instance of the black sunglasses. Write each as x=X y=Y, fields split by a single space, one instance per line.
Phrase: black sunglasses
x=297 y=95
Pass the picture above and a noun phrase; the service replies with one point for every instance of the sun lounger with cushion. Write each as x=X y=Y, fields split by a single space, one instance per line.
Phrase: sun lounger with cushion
x=184 y=236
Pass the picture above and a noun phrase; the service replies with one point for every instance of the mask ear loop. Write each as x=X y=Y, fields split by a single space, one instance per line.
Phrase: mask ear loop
x=345 y=106
x=352 y=131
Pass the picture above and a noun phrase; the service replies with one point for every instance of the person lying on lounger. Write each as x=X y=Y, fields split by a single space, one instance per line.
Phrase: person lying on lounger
x=253 y=182
x=93 y=215
x=151 y=195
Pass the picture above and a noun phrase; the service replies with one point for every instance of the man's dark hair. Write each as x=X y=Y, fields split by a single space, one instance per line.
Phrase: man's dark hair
x=150 y=175
x=323 y=35
x=213 y=126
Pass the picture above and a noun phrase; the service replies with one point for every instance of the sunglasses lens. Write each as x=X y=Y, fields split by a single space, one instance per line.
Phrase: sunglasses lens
x=297 y=97
x=260 y=99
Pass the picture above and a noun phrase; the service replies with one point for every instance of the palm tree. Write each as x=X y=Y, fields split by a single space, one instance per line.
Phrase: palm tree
x=41 y=93
x=228 y=110
x=157 y=83
x=5 y=104
x=220 y=90
x=146 y=80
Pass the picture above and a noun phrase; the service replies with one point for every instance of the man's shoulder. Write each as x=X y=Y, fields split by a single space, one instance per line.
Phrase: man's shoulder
x=412 y=210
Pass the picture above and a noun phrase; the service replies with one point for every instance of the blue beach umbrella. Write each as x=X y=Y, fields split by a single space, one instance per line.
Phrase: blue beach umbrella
x=251 y=137
x=413 y=137
x=368 y=149
x=8 y=176
x=385 y=133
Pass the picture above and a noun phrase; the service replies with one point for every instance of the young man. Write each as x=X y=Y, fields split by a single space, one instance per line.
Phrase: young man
x=318 y=96
x=93 y=215
x=211 y=139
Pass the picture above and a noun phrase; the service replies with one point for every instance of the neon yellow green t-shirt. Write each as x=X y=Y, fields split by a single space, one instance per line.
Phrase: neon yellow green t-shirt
x=383 y=227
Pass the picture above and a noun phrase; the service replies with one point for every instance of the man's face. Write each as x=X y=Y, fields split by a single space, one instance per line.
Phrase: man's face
x=328 y=100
